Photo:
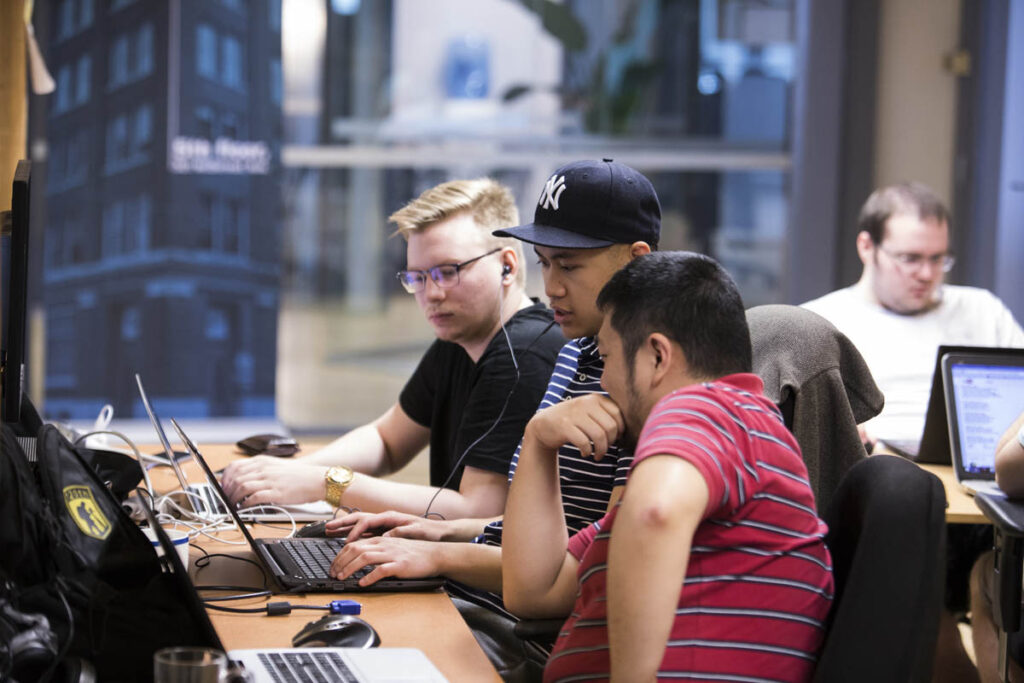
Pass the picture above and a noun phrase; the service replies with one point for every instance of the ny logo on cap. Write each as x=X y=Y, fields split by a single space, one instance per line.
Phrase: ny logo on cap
x=553 y=189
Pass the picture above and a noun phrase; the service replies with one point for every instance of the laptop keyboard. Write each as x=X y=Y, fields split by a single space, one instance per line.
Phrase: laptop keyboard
x=305 y=666
x=314 y=557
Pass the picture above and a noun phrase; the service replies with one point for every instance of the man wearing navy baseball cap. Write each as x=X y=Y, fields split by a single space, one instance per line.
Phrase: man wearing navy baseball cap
x=592 y=218
x=592 y=204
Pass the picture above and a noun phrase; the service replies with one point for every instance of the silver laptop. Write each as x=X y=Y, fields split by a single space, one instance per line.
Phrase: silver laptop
x=203 y=499
x=984 y=394
x=314 y=664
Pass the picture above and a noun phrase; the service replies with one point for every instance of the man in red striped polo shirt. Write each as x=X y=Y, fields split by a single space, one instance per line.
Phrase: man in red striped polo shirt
x=713 y=565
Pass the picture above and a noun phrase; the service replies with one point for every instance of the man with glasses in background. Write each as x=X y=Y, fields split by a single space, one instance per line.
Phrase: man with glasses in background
x=900 y=311
x=473 y=392
x=898 y=315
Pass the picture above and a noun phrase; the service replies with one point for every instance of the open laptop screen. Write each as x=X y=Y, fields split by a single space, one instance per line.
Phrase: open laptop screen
x=984 y=395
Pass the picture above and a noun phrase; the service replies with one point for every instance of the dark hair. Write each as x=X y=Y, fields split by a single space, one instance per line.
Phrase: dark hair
x=908 y=197
x=687 y=297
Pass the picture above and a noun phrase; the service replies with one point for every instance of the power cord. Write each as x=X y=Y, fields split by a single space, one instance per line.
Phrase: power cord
x=274 y=609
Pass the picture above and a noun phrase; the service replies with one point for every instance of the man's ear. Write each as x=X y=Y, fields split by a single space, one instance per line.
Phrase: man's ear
x=663 y=355
x=865 y=246
x=509 y=263
x=639 y=248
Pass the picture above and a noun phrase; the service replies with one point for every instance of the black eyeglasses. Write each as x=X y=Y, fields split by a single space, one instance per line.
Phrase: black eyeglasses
x=444 y=276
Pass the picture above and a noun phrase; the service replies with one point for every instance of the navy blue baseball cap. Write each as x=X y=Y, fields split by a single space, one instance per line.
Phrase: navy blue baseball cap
x=592 y=204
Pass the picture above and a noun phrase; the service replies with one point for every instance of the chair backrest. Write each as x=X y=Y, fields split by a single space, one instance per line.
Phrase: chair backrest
x=887 y=539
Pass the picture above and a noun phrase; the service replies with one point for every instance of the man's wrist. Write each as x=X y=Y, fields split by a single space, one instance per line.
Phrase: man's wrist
x=336 y=481
x=1020 y=436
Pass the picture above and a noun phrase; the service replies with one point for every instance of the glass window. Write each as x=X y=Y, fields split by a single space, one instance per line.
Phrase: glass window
x=206 y=51
x=232 y=62
x=204 y=122
x=113 y=229
x=64 y=90
x=85 y=12
x=275 y=81
x=61 y=349
x=274 y=15
x=65 y=19
x=369 y=102
x=143 y=127
x=144 y=51
x=131 y=323
x=117 y=142
x=83 y=79
x=144 y=222
x=118 y=68
x=216 y=324
x=206 y=221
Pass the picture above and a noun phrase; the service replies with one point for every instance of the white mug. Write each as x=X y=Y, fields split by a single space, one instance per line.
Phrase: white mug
x=178 y=537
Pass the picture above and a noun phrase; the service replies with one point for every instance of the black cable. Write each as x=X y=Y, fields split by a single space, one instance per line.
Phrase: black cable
x=501 y=413
x=508 y=397
x=204 y=561
x=272 y=609
x=251 y=593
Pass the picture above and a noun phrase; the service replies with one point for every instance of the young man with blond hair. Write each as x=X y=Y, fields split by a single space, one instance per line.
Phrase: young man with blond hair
x=473 y=391
x=592 y=218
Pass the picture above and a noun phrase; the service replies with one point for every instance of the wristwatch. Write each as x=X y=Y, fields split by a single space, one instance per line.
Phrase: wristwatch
x=336 y=480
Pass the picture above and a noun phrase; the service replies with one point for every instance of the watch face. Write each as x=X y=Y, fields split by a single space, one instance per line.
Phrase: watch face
x=340 y=475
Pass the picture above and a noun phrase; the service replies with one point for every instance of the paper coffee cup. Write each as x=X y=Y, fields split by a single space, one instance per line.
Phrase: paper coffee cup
x=178 y=537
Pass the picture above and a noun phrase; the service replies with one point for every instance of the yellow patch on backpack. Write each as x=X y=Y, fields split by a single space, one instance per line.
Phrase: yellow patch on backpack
x=86 y=513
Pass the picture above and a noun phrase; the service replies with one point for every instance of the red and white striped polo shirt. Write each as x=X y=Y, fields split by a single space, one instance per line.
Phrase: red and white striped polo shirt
x=759 y=580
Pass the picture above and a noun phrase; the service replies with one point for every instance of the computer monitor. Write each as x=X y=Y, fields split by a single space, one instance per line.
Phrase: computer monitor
x=15 y=410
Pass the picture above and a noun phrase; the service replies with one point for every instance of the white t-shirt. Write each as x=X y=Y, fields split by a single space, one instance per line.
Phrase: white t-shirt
x=900 y=349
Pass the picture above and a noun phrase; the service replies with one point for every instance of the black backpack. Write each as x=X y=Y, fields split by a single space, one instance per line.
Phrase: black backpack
x=70 y=552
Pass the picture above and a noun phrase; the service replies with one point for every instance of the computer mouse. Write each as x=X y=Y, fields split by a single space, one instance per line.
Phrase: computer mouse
x=269 y=444
x=337 y=630
x=313 y=530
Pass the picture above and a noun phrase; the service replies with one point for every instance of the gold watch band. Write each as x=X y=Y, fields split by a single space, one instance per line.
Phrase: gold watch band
x=336 y=480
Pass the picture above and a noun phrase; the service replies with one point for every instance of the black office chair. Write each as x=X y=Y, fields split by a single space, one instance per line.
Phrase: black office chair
x=1007 y=517
x=887 y=538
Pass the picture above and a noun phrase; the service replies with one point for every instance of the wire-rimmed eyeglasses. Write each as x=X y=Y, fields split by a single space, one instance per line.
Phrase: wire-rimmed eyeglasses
x=445 y=275
x=914 y=262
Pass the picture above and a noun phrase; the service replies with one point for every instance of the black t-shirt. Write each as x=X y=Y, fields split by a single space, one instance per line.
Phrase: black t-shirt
x=459 y=400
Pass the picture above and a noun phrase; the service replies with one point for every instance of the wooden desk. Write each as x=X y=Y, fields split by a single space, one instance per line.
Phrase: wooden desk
x=960 y=508
x=428 y=621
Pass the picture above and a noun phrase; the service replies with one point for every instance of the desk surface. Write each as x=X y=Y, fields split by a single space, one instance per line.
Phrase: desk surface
x=428 y=621
x=960 y=508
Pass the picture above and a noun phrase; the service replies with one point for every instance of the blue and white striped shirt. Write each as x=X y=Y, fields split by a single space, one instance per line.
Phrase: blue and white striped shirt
x=585 y=483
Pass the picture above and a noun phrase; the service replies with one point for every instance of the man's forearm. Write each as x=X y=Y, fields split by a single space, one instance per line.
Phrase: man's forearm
x=473 y=564
x=362 y=449
x=370 y=494
x=641 y=607
x=648 y=554
x=534 y=536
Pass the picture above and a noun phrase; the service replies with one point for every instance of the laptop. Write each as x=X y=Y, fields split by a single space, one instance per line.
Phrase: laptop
x=933 y=446
x=984 y=394
x=314 y=664
x=204 y=501
x=299 y=565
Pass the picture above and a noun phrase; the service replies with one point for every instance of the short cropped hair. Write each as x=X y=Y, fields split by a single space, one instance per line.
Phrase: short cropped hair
x=490 y=203
x=903 y=198
x=690 y=299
